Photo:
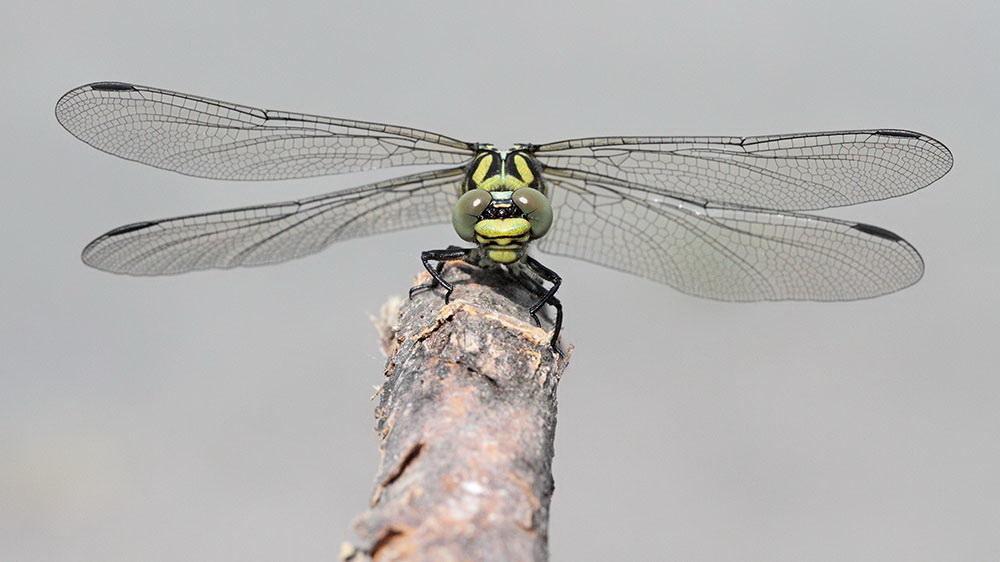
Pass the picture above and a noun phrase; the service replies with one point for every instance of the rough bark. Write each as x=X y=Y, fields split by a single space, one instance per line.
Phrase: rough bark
x=467 y=419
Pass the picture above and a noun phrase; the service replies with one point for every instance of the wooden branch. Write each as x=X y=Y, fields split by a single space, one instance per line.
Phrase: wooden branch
x=467 y=419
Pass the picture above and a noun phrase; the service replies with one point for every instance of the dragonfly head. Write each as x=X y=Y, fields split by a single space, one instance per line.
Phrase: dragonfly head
x=517 y=212
x=503 y=200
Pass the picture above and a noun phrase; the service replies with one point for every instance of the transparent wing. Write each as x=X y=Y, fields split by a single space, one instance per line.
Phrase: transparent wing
x=215 y=139
x=804 y=171
x=273 y=233
x=725 y=252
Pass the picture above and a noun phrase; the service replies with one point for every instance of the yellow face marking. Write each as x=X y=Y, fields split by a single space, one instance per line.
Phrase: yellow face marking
x=502 y=256
x=503 y=228
x=502 y=243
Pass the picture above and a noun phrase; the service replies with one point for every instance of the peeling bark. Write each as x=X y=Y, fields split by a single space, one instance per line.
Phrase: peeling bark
x=467 y=420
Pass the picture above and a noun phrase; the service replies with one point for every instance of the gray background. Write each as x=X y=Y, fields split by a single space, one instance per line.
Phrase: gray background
x=225 y=415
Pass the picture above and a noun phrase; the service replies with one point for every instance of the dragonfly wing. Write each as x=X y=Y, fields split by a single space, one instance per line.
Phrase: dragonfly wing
x=725 y=252
x=804 y=171
x=277 y=232
x=214 y=139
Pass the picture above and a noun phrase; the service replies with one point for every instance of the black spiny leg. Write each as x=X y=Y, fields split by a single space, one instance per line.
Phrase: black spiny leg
x=440 y=256
x=547 y=296
x=537 y=288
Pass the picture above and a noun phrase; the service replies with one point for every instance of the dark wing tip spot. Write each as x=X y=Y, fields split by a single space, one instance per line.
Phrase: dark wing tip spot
x=112 y=87
x=877 y=231
x=927 y=143
x=129 y=228
x=899 y=133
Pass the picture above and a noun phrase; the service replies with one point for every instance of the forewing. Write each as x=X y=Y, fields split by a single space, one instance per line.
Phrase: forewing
x=214 y=139
x=274 y=233
x=804 y=171
x=726 y=253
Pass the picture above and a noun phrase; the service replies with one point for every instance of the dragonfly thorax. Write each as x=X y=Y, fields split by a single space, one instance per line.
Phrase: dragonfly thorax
x=503 y=204
x=503 y=170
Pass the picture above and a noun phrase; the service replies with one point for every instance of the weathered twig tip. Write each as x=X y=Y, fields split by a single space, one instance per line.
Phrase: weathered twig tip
x=467 y=418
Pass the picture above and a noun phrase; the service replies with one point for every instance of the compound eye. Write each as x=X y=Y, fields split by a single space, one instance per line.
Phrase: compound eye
x=468 y=209
x=536 y=209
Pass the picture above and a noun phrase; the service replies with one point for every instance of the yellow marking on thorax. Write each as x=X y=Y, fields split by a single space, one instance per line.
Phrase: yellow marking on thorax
x=521 y=163
x=501 y=181
x=482 y=169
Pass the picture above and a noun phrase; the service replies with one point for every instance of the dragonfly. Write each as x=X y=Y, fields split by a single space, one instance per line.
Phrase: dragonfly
x=713 y=216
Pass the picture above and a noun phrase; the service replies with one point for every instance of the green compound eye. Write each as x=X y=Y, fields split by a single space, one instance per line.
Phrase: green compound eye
x=536 y=209
x=466 y=213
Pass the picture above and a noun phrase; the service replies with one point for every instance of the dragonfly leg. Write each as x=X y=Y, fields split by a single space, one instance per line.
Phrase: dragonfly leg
x=547 y=295
x=440 y=256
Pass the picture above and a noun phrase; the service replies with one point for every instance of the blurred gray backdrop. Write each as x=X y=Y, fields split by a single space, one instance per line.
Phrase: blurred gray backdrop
x=226 y=415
